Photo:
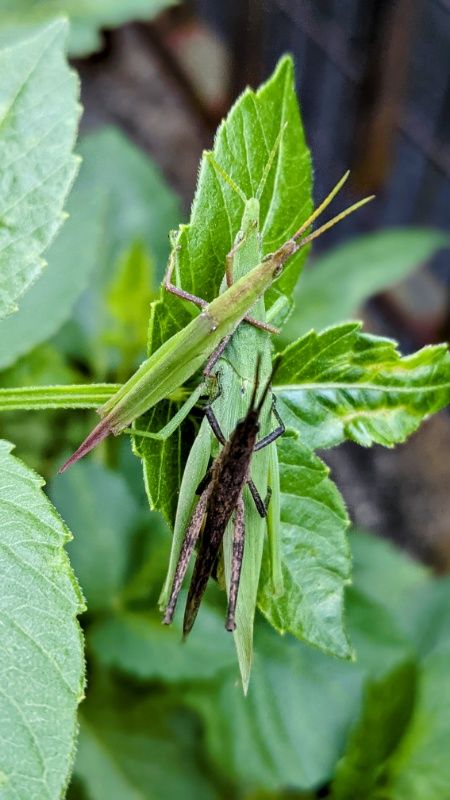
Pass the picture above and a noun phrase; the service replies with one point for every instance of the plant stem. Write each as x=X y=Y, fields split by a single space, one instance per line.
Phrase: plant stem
x=31 y=398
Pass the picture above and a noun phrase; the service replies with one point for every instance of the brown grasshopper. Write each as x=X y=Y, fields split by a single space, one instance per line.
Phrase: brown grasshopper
x=219 y=499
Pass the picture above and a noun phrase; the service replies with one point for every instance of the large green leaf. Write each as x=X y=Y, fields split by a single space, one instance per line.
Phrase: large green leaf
x=139 y=747
x=49 y=302
x=315 y=555
x=137 y=643
x=335 y=285
x=103 y=515
x=39 y=113
x=387 y=708
x=86 y=17
x=343 y=384
x=291 y=728
x=420 y=769
x=424 y=613
x=288 y=731
x=41 y=659
x=109 y=211
x=402 y=575
x=243 y=146
x=138 y=206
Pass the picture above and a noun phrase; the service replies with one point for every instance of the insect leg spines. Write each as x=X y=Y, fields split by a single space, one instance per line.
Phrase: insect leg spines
x=236 y=563
x=187 y=547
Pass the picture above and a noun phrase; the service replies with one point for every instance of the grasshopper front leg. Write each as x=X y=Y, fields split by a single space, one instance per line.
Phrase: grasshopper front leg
x=199 y=301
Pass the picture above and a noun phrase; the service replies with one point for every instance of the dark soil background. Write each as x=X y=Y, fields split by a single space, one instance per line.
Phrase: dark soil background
x=167 y=86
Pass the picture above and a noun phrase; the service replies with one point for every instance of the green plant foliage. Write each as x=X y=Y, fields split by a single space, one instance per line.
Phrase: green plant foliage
x=335 y=285
x=101 y=561
x=87 y=17
x=129 y=296
x=242 y=147
x=129 y=215
x=163 y=719
x=109 y=210
x=386 y=713
x=41 y=660
x=137 y=643
x=50 y=301
x=37 y=135
x=420 y=768
x=287 y=731
x=315 y=555
x=133 y=747
x=402 y=575
x=343 y=384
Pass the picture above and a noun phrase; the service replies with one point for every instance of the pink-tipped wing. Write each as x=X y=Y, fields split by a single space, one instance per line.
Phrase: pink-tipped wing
x=96 y=436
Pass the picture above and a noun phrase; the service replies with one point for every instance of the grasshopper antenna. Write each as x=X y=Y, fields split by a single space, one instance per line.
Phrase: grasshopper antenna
x=295 y=243
x=257 y=407
x=320 y=208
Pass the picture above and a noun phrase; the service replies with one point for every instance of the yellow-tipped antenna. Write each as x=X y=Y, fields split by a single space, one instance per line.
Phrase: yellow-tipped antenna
x=317 y=211
x=335 y=220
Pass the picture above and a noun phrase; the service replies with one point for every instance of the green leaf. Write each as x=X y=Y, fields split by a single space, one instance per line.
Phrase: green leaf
x=41 y=661
x=37 y=135
x=50 y=301
x=379 y=641
x=335 y=285
x=386 y=712
x=109 y=210
x=242 y=147
x=315 y=555
x=420 y=769
x=343 y=384
x=301 y=705
x=102 y=514
x=424 y=614
x=86 y=17
x=402 y=575
x=134 y=746
x=137 y=643
x=130 y=214
x=128 y=298
x=287 y=732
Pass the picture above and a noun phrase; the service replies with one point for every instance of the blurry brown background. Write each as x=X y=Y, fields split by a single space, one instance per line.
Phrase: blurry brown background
x=374 y=83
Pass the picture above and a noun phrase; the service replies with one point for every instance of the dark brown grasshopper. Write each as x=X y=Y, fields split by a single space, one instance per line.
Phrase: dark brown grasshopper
x=220 y=497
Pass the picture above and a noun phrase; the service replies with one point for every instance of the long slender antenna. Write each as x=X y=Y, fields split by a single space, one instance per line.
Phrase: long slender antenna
x=332 y=222
x=324 y=204
x=256 y=381
x=267 y=386
x=294 y=244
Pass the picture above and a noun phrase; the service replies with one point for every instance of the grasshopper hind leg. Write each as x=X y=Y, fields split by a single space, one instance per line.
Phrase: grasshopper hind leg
x=236 y=563
x=187 y=547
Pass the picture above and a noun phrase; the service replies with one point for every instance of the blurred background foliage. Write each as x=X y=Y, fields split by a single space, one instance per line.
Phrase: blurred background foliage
x=163 y=719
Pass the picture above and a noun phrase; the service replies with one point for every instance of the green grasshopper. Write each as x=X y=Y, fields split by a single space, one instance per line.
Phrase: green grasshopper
x=184 y=353
x=234 y=365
